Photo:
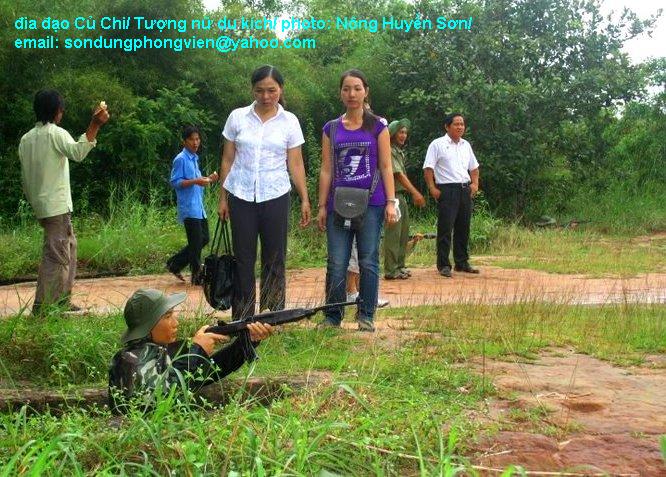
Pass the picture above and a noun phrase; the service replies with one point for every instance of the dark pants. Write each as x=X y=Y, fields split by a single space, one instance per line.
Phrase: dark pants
x=455 y=214
x=268 y=221
x=197 y=238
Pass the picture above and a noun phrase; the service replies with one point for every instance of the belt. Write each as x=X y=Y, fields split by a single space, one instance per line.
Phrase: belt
x=458 y=185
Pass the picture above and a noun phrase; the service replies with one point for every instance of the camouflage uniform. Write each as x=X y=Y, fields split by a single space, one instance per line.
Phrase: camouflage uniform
x=143 y=370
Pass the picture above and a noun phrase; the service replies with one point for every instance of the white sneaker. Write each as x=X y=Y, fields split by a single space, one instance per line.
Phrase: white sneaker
x=382 y=302
x=352 y=296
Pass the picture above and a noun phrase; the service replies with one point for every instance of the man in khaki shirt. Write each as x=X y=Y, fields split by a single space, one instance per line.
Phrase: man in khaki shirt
x=44 y=153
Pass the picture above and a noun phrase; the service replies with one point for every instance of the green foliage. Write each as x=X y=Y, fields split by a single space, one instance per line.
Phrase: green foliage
x=59 y=352
x=625 y=208
x=485 y=226
x=639 y=145
x=517 y=78
x=556 y=113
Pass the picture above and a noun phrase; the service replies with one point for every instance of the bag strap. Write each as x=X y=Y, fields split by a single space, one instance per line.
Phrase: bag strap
x=215 y=243
x=220 y=237
x=225 y=238
x=375 y=181
x=331 y=138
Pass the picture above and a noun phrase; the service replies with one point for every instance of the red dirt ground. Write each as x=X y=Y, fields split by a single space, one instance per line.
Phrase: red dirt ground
x=425 y=287
x=602 y=419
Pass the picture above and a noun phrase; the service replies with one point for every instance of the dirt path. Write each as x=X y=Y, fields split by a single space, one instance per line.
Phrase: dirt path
x=426 y=287
x=595 y=417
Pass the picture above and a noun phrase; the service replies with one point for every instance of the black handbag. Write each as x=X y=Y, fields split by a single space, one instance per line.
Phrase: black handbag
x=219 y=271
x=349 y=207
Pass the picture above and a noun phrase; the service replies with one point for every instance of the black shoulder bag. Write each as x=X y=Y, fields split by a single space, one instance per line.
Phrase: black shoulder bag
x=219 y=271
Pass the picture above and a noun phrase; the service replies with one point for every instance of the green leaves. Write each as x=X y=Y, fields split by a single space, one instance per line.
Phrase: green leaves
x=526 y=68
x=541 y=83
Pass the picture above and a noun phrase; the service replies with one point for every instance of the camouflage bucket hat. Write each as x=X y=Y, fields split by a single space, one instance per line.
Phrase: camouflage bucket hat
x=144 y=309
x=397 y=125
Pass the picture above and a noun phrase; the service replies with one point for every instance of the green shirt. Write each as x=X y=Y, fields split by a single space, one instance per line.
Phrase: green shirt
x=44 y=152
x=398 y=161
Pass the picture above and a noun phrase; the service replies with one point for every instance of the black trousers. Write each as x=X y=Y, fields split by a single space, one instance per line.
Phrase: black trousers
x=269 y=222
x=454 y=215
x=197 y=238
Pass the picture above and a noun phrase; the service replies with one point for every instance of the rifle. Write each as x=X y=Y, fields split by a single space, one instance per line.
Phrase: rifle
x=427 y=235
x=239 y=327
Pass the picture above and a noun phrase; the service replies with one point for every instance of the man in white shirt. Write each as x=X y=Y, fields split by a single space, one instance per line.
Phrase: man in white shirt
x=452 y=175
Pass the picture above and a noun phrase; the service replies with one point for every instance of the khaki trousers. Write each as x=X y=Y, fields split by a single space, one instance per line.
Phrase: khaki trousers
x=58 y=266
x=396 y=237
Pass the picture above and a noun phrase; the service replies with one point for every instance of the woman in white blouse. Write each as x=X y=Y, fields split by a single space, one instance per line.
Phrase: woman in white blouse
x=262 y=147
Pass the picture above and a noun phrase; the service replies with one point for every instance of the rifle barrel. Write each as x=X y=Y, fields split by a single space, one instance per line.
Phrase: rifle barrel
x=271 y=318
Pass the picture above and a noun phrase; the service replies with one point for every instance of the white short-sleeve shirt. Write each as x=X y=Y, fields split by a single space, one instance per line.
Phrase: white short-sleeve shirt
x=259 y=171
x=451 y=161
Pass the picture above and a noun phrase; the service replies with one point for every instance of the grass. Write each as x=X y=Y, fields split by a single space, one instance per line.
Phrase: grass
x=138 y=238
x=394 y=404
x=135 y=238
x=624 y=207
x=385 y=398
x=578 y=251
x=561 y=251
x=302 y=438
x=622 y=334
x=62 y=351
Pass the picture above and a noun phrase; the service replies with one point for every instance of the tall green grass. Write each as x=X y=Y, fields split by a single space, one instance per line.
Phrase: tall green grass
x=314 y=436
x=60 y=351
x=137 y=237
x=395 y=404
x=385 y=412
x=624 y=208
x=134 y=237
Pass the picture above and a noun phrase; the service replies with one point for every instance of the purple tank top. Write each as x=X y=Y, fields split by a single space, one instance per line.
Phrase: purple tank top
x=355 y=160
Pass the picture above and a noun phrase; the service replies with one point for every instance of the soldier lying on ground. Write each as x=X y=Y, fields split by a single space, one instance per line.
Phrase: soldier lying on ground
x=146 y=366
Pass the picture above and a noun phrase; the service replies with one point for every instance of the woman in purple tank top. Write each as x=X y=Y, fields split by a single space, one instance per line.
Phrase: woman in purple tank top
x=355 y=152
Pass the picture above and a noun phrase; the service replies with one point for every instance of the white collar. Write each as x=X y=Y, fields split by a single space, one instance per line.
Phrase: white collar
x=450 y=141
x=251 y=111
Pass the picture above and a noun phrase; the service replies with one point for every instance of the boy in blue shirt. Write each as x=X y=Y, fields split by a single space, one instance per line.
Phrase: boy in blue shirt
x=186 y=178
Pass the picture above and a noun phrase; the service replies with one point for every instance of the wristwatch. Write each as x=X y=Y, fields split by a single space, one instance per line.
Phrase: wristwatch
x=395 y=201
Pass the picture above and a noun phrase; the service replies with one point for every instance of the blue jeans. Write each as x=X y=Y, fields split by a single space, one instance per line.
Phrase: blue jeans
x=339 y=241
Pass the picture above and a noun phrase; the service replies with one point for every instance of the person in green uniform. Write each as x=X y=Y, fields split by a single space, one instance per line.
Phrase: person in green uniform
x=151 y=362
x=396 y=235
